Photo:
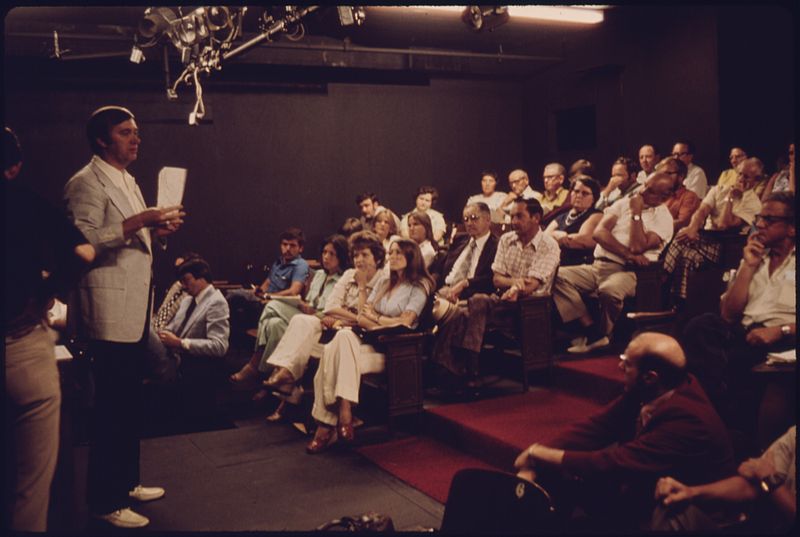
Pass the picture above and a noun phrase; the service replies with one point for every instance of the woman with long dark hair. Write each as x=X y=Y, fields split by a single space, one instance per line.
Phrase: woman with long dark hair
x=420 y=231
x=396 y=300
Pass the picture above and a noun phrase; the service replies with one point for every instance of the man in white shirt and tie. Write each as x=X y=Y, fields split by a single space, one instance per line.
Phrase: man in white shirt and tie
x=104 y=202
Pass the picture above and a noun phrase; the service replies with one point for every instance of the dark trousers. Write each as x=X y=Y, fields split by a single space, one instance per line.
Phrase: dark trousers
x=718 y=354
x=114 y=450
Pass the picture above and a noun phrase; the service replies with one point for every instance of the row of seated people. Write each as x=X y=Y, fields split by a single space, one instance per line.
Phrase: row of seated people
x=663 y=425
x=460 y=338
x=626 y=178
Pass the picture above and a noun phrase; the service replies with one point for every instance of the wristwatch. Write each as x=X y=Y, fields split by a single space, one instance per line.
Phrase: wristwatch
x=769 y=484
x=636 y=217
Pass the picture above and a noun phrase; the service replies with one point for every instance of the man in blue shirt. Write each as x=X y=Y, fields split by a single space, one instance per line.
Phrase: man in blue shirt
x=287 y=276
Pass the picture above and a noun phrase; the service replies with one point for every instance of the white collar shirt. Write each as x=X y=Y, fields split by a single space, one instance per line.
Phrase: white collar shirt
x=480 y=242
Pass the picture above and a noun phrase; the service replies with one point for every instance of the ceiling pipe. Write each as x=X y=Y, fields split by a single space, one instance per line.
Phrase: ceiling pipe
x=417 y=52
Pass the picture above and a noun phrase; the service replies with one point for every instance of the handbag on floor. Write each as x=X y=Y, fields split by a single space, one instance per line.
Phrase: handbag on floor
x=367 y=522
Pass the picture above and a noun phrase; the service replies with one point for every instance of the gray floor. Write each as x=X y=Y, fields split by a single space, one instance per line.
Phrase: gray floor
x=259 y=478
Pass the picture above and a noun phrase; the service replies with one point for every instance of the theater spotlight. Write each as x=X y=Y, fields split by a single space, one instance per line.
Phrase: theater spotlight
x=349 y=15
x=487 y=18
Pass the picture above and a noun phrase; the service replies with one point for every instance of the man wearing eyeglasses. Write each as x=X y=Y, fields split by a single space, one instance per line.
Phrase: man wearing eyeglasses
x=520 y=188
x=758 y=315
x=696 y=180
x=663 y=424
x=684 y=203
x=555 y=195
x=728 y=177
x=724 y=208
x=467 y=270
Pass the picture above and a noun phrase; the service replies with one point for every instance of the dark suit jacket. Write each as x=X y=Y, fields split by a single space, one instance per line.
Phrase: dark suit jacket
x=482 y=282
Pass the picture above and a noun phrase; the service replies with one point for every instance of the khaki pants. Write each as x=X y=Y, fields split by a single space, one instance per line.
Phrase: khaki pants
x=604 y=279
x=33 y=403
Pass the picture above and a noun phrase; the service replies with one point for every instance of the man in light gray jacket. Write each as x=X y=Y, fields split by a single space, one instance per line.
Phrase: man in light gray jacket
x=105 y=203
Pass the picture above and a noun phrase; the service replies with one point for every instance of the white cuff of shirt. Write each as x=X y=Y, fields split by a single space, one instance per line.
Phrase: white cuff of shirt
x=185 y=344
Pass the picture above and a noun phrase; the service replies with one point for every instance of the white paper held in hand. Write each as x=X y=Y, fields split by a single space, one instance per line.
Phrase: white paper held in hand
x=171 y=182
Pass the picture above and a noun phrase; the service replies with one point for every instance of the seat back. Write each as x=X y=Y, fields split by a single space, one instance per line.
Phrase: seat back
x=496 y=503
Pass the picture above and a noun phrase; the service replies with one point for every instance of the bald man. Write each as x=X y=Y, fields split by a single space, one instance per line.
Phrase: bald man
x=520 y=188
x=663 y=424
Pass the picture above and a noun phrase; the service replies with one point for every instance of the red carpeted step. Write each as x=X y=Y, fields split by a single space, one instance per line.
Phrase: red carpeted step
x=423 y=463
x=496 y=430
x=598 y=379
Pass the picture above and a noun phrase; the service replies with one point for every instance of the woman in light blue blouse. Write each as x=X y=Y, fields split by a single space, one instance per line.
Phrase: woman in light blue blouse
x=276 y=314
x=396 y=300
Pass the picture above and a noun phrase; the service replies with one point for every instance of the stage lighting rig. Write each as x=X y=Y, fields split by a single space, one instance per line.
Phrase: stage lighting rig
x=488 y=18
x=204 y=37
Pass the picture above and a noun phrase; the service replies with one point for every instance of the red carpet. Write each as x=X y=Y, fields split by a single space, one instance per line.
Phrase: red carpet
x=423 y=463
x=492 y=432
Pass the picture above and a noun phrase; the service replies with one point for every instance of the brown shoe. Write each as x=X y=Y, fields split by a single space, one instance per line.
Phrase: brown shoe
x=279 y=377
x=321 y=441
x=246 y=374
x=346 y=432
x=278 y=414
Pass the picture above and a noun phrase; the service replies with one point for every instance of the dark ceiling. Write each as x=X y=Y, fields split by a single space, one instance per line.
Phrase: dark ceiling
x=389 y=39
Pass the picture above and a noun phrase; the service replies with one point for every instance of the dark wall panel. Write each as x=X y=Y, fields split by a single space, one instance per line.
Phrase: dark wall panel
x=650 y=73
x=265 y=161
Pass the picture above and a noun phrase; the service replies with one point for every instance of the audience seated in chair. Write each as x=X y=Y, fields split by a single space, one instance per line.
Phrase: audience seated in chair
x=396 y=300
x=783 y=179
x=424 y=201
x=633 y=231
x=277 y=314
x=524 y=264
x=684 y=203
x=519 y=189
x=197 y=336
x=729 y=177
x=347 y=300
x=172 y=300
x=723 y=209
x=384 y=227
x=369 y=205
x=696 y=180
x=287 y=276
x=580 y=167
x=622 y=183
x=768 y=482
x=421 y=232
x=663 y=424
x=573 y=229
x=648 y=159
x=490 y=196
x=554 y=194
x=757 y=316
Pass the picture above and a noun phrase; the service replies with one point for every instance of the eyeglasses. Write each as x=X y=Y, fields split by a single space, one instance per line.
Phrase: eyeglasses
x=471 y=217
x=582 y=192
x=548 y=177
x=681 y=154
x=770 y=219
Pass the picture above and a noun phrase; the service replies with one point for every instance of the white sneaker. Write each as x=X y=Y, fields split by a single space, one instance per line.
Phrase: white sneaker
x=583 y=348
x=146 y=494
x=125 y=518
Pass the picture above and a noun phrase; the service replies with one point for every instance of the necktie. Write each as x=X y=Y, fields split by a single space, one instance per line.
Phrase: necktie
x=463 y=269
x=189 y=311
